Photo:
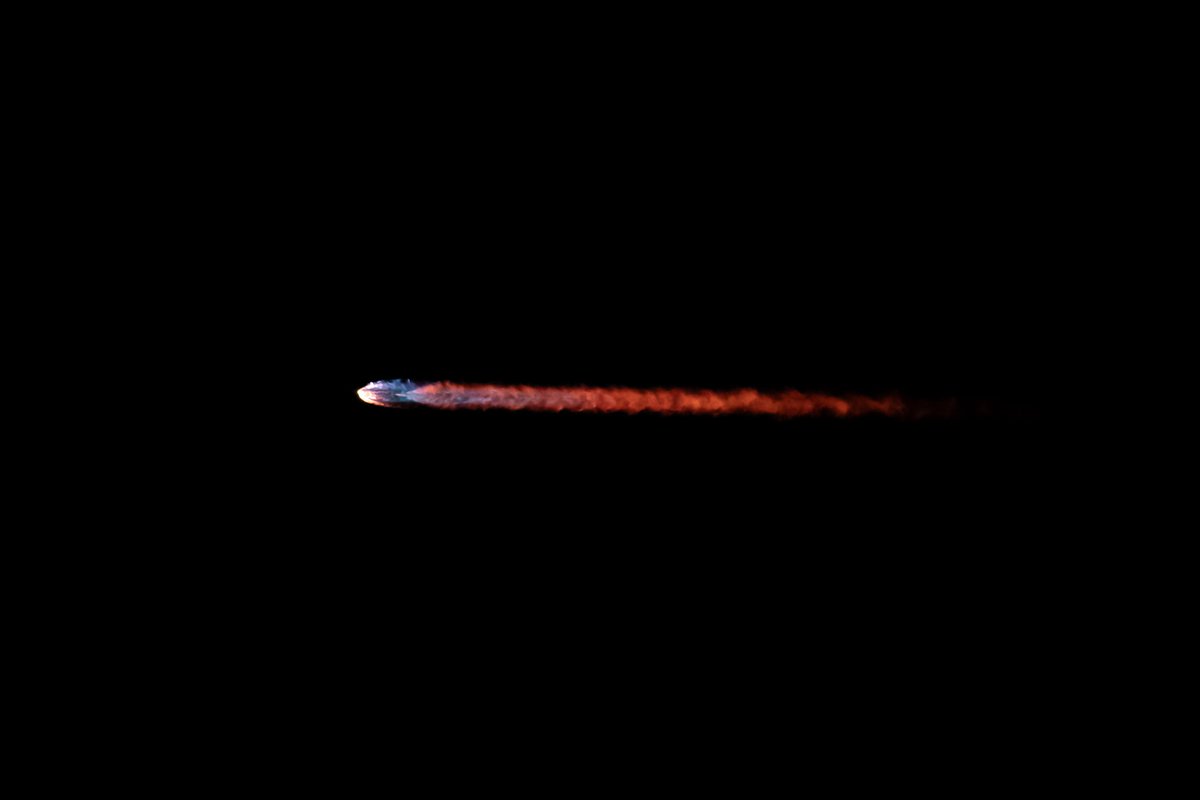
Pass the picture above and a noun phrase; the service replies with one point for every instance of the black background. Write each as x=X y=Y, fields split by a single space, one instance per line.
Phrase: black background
x=860 y=215
x=848 y=209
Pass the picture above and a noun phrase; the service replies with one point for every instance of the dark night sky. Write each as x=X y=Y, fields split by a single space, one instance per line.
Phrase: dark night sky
x=811 y=222
x=775 y=214
x=736 y=268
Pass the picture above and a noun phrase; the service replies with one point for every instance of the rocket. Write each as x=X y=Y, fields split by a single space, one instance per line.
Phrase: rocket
x=387 y=393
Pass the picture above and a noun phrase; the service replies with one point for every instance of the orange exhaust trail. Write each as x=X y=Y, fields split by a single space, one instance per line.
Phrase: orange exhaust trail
x=628 y=401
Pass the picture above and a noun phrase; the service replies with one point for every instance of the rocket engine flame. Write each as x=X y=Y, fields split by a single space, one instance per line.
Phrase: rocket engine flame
x=625 y=400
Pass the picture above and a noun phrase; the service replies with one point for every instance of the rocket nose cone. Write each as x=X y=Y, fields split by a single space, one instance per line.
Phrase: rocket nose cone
x=387 y=393
x=369 y=395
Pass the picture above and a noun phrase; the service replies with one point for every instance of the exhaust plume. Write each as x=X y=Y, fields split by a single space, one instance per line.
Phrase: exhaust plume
x=788 y=403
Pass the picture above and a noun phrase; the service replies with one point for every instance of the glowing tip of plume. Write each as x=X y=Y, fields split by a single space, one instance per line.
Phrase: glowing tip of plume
x=386 y=393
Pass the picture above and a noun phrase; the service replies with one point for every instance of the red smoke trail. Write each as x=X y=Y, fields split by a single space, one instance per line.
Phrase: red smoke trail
x=632 y=401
